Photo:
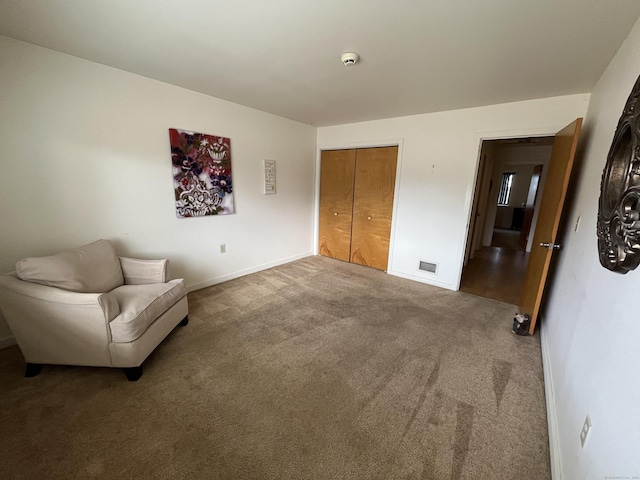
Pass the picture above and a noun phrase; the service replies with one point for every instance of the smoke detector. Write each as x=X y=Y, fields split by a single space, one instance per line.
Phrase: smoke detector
x=349 y=58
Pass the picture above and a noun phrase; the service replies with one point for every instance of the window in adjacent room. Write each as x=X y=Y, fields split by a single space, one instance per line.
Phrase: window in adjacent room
x=505 y=188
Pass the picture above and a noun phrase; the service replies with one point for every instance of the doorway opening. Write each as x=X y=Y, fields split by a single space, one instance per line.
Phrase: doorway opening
x=510 y=178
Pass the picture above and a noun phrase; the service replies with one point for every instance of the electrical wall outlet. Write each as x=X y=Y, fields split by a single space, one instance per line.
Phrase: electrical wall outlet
x=223 y=248
x=585 y=430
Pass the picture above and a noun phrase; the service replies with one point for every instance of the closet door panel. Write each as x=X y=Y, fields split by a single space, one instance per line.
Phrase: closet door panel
x=375 y=180
x=336 y=203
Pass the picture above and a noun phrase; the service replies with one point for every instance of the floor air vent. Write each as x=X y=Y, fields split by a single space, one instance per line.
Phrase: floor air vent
x=428 y=267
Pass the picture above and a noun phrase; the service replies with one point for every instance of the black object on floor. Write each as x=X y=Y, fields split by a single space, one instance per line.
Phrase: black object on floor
x=521 y=323
x=32 y=369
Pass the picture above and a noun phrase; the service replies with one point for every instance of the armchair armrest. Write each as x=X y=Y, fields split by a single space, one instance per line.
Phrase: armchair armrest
x=141 y=272
x=56 y=326
x=12 y=284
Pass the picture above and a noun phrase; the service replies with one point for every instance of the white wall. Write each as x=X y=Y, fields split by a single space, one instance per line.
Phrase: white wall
x=591 y=326
x=438 y=163
x=84 y=151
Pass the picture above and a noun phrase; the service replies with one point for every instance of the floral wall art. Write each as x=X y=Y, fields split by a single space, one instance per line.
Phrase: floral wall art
x=201 y=174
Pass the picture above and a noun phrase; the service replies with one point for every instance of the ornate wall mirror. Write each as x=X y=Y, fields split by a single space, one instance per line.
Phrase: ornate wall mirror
x=619 y=205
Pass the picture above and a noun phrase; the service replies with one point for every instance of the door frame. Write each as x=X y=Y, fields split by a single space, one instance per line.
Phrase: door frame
x=477 y=205
x=480 y=137
x=393 y=142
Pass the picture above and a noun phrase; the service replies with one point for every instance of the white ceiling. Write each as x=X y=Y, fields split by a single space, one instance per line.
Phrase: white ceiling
x=283 y=56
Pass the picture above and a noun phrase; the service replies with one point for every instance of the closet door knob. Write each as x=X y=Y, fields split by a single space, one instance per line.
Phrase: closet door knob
x=335 y=213
x=369 y=217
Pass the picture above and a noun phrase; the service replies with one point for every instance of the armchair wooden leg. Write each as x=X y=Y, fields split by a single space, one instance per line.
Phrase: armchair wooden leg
x=184 y=321
x=32 y=369
x=133 y=373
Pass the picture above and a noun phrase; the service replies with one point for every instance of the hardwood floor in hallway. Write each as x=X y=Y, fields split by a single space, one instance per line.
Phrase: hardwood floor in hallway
x=496 y=272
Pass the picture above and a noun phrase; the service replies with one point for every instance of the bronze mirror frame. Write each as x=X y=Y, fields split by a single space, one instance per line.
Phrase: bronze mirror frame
x=619 y=205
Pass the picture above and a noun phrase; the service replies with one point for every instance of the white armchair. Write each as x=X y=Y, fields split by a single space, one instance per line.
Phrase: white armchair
x=91 y=307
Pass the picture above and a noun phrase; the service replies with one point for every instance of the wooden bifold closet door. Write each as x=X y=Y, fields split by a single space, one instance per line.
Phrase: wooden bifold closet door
x=356 y=204
x=337 y=172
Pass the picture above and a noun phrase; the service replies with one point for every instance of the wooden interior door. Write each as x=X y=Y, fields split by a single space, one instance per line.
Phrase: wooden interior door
x=337 y=170
x=375 y=181
x=553 y=197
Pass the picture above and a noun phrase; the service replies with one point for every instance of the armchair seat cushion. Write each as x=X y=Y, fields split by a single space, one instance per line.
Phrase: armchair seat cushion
x=140 y=306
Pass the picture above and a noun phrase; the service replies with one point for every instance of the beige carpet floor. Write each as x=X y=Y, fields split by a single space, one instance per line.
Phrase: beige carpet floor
x=316 y=369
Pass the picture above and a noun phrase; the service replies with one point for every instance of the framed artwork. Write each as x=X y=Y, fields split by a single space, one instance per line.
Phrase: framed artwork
x=269 y=176
x=619 y=205
x=201 y=174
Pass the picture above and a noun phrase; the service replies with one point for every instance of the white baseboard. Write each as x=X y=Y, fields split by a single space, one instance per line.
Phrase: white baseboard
x=7 y=342
x=417 y=278
x=552 y=414
x=242 y=273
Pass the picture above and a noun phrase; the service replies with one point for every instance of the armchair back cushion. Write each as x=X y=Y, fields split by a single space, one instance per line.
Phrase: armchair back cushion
x=94 y=268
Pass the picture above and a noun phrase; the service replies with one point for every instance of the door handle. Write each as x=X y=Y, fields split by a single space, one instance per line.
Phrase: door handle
x=369 y=217
x=550 y=246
